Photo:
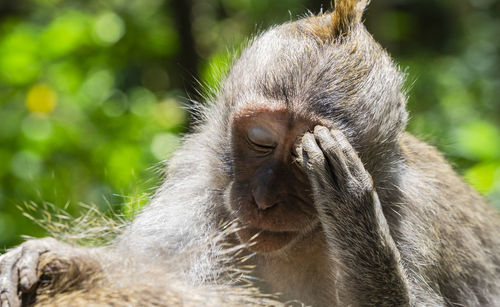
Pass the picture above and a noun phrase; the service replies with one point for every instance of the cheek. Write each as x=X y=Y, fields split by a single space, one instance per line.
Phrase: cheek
x=237 y=196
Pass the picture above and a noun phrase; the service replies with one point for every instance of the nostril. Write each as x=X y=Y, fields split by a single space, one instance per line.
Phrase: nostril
x=264 y=205
x=263 y=200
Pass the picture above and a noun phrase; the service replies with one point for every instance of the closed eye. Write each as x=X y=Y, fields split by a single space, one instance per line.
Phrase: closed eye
x=259 y=147
x=261 y=139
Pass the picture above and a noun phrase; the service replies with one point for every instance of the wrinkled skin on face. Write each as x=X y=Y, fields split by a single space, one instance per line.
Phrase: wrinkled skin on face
x=270 y=194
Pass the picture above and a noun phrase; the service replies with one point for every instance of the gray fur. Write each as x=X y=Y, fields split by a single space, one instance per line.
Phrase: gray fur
x=446 y=236
x=401 y=228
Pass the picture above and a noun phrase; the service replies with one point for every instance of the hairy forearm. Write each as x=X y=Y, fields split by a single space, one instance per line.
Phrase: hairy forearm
x=359 y=241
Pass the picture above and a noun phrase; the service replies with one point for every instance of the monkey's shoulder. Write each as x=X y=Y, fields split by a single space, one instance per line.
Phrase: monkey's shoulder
x=434 y=181
x=419 y=153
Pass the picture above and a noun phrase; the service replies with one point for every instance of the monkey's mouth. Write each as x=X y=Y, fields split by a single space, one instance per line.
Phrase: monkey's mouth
x=265 y=241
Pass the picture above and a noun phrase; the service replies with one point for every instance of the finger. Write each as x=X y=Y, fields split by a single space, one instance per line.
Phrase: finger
x=333 y=151
x=312 y=154
x=27 y=267
x=353 y=161
x=315 y=164
x=297 y=153
x=9 y=279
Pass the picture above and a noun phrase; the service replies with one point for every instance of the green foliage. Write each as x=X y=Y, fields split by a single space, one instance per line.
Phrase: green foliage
x=91 y=92
x=80 y=119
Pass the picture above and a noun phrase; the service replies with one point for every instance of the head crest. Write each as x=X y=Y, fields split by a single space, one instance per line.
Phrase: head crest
x=347 y=13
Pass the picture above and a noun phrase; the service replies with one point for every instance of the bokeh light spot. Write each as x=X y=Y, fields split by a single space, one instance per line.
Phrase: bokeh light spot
x=109 y=28
x=65 y=34
x=26 y=165
x=479 y=140
x=164 y=144
x=483 y=176
x=41 y=98
x=142 y=101
x=18 y=55
x=169 y=113
x=116 y=105
x=37 y=128
x=97 y=86
x=19 y=68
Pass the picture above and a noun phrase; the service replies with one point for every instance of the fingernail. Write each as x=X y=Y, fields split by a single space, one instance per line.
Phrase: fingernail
x=24 y=282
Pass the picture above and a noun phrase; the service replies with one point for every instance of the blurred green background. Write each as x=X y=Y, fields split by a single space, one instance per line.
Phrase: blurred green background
x=93 y=93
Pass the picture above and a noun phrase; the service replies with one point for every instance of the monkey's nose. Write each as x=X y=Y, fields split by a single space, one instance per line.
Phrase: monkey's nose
x=263 y=198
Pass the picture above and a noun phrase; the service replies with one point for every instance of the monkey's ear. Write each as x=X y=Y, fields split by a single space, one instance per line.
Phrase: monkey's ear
x=347 y=13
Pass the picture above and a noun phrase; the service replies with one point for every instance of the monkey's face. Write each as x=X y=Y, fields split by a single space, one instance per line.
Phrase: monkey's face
x=270 y=194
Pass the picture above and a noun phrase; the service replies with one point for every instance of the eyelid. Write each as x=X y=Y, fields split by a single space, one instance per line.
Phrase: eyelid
x=263 y=149
x=261 y=137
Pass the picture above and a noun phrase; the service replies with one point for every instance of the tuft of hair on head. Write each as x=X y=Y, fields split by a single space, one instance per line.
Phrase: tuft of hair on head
x=338 y=23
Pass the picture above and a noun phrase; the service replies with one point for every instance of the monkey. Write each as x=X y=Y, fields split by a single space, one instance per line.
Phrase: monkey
x=78 y=279
x=305 y=146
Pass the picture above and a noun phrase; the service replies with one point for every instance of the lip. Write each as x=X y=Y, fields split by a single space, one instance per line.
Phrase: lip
x=261 y=240
x=276 y=219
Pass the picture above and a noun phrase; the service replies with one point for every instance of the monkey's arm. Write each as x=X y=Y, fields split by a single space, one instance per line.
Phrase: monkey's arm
x=22 y=267
x=356 y=230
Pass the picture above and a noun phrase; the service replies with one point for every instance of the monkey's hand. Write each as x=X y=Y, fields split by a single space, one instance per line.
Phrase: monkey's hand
x=337 y=175
x=351 y=216
x=347 y=204
x=19 y=268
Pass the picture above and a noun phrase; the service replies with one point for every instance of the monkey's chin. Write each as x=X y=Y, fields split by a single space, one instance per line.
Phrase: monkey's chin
x=263 y=241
